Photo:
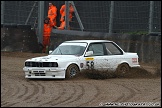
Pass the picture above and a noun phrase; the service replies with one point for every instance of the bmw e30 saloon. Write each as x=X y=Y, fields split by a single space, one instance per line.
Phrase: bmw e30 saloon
x=70 y=57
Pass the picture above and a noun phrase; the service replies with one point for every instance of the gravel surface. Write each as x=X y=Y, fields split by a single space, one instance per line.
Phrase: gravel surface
x=81 y=91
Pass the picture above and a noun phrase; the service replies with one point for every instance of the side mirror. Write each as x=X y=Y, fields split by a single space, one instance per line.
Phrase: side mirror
x=50 y=51
x=89 y=53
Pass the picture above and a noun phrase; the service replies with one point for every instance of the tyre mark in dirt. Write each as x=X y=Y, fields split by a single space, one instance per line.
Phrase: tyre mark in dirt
x=42 y=87
x=7 y=104
x=25 y=91
x=6 y=88
x=13 y=91
x=124 y=97
x=14 y=86
x=41 y=91
x=119 y=98
x=6 y=95
x=16 y=90
x=69 y=98
x=80 y=94
x=55 y=98
x=74 y=95
x=65 y=98
x=134 y=93
x=77 y=94
x=94 y=95
x=21 y=90
x=35 y=91
x=157 y=99
x=3 y=103
x=3 y=91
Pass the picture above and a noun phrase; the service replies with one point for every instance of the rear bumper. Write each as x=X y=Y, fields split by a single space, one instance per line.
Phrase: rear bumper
x=136 y=66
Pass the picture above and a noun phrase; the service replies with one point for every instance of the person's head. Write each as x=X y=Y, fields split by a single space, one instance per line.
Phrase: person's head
x=46 y=20
x=50 y=4
x=70 y=4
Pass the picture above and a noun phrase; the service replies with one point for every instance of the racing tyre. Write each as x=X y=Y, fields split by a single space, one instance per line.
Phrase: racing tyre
x=123 y=70
x=71 y=71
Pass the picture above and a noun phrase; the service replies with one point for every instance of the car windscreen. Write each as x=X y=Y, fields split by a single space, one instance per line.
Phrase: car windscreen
x=69 y=49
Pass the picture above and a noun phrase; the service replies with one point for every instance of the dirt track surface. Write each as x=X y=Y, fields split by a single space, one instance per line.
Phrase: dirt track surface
x=16 y=91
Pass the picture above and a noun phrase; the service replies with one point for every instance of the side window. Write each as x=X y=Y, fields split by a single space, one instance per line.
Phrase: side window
x=112 y=49
x=97 y=49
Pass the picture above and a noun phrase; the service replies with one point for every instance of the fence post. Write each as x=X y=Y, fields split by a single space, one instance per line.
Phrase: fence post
x=67 y=14
x=2 y=11
x=77 y=16
x=40 y=21
x=151 y=16
x=30 y=12
x=111 y=16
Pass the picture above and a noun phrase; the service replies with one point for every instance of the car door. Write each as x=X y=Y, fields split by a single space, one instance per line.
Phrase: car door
x=114 y=55
x=106 y=56
x=97 y=60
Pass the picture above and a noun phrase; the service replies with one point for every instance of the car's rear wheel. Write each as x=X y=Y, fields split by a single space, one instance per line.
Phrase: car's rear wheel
x=123 y=69
x=71 y=71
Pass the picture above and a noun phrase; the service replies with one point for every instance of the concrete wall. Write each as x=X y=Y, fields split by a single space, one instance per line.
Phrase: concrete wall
x=148 y=47
x=22 y=38
x=19 y=38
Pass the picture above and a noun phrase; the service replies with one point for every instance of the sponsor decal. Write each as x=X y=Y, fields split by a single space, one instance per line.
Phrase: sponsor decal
x=89 y=58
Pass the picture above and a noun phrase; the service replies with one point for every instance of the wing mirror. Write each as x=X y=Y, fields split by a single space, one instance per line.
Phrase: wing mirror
x=89 y=53
x=50 y=52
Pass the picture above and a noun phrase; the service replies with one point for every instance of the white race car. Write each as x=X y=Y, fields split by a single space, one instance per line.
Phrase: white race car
x=71 y=57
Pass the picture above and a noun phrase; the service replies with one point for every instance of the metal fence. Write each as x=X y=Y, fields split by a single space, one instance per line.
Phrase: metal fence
x=19 y=12
x=96 y=16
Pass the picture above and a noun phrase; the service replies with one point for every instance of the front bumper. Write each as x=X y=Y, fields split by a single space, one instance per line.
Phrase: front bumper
x=52 y=73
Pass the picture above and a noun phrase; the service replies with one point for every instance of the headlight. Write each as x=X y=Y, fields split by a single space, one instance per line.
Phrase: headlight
x=30 y=64
x=27 y=63
x=55 y=64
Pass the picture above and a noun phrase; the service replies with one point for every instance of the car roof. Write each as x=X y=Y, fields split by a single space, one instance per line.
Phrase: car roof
x=89 y=41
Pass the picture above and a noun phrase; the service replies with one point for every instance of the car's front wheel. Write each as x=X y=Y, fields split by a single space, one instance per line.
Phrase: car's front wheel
x=123 y=69
x=71 y=71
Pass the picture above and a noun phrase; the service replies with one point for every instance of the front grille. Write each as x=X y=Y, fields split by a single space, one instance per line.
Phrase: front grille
x=41 y=64
x=40 y=74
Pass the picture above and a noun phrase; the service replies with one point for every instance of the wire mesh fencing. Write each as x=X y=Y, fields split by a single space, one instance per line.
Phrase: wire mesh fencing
x=120 y=16
x=19 y=12
x=96 y=16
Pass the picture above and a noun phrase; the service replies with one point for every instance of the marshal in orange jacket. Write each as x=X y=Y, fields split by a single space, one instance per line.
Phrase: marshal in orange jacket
x=52 y=13
x=62 y=26
x=47 y=30
x=46 y=33
x=63 y=9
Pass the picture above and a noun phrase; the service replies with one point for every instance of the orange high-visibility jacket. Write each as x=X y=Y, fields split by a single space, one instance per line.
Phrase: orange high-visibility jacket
x=62 y=25
x=62 y=12
x=52 y=13
x=47 y=30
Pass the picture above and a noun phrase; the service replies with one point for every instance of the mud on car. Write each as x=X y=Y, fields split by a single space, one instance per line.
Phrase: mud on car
x=70 y=57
